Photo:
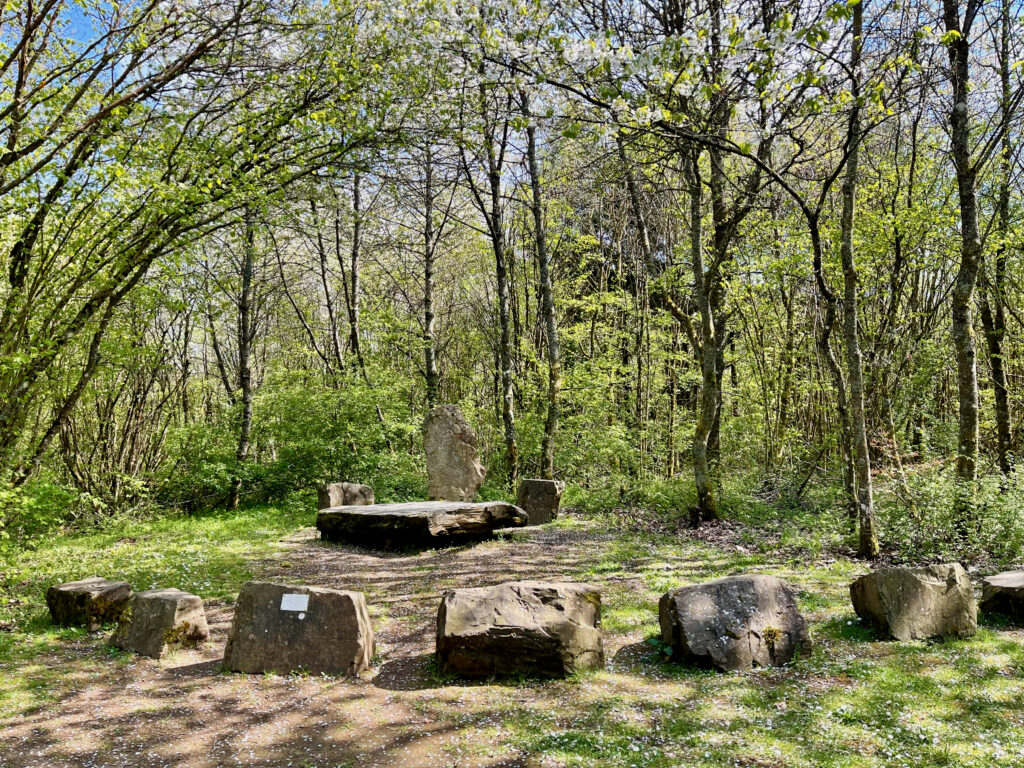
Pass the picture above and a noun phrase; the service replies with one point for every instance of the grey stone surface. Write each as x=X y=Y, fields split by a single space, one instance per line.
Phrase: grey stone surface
x=425 y=523
x=531 y=627
x=734 y=623
x=89 y=603
x=540 y=499
x=917 y=603
x=160 y=620
x=1003 y=593
x=454 y=471
x=280 y=628
x=343 y=495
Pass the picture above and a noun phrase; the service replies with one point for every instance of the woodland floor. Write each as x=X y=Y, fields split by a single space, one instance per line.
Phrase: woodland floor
x=66 y=699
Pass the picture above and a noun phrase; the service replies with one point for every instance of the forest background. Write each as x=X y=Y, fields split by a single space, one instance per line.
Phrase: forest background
x=701 y=260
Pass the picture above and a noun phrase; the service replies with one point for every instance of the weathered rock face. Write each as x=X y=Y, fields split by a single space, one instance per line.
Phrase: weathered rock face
x=540 y=499
x=917 y=603
x=1004 y=594
x=89 y=603
x=453 y=470
x=531 y=627
x=735 y=623
x=279 y=628
x=343 y=494
x=160 y=620
x=423 y=523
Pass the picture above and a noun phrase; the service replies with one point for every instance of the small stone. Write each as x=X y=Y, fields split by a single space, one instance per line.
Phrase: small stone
x=540 y=499
x=1003 y=593
x=90 y=603
x=917 y=603
x=160 y=620
x=343 y=494
x=280 y=628
x=734 y=623
x=538 y=628
x=454 y=471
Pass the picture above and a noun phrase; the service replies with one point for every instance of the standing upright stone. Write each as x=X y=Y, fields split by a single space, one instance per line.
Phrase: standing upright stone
x=453 y=470
x=540 y=499
x=343 y=495
x=90 y=602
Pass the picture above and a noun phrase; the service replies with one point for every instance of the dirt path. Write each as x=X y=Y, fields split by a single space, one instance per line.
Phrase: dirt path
x=183 y=711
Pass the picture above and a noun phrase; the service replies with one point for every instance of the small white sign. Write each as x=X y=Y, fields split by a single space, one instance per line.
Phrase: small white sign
x=292 y=602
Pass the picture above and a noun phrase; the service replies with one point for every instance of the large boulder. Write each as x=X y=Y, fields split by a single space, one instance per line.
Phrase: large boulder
x=280 y=628
x=421 y=523
x=532 y=627
x=917 y=603
x=454 y=471
x=89 y=603
x=343 y=494
x=1003 y=593
x=540 y=499
x=734 y=623
x=160 y=620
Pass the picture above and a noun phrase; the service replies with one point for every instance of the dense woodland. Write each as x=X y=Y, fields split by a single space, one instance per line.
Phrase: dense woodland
x=688 y=255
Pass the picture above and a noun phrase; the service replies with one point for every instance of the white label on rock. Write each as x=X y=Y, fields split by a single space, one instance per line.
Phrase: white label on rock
x=294 y=602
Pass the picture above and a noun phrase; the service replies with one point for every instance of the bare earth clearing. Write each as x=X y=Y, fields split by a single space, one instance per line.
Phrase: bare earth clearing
x=183 y=711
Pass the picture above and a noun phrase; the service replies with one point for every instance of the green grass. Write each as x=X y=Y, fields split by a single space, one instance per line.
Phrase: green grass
x=210 y=555
x=854 y=702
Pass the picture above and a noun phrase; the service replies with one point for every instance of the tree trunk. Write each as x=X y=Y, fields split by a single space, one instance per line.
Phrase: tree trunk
x=547 y=302
x=958 y=46
x=993 y=316
x=868 y=542
x=244 y=355
x=707 y=501
x=429 y=343
x=353 y=274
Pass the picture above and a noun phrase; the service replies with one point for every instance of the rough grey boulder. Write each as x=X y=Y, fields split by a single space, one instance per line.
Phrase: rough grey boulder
x=454 y=471
x=160 y=620
x=1003 y=593
x=343 y=494
x=281 y=628
x=734 y=623
x=532 y=627
x=422 y=523
x=917 y=603
x=90 y=602
x=540 y=499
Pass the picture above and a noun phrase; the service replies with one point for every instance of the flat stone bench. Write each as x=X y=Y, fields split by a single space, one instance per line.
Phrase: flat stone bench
x=89 y=603
x=281 y=628
x=422 y=522
x=549 y=629
x=160 y=620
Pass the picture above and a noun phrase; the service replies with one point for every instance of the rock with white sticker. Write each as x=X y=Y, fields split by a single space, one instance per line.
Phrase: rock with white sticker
x=281 y=628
